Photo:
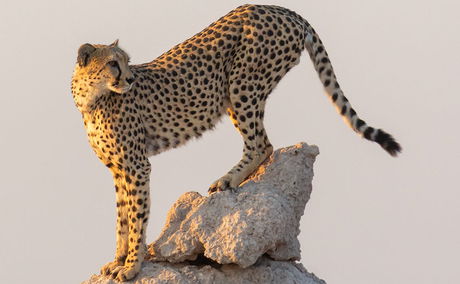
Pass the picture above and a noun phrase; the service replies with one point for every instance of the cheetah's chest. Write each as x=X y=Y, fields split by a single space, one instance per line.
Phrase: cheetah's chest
x=101 y=139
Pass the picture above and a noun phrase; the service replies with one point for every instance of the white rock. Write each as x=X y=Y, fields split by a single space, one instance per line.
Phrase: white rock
x=264 y=271
x=262 y=216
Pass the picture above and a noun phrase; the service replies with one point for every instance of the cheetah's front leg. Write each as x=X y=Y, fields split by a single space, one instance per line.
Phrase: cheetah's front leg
x=138 y=206
x=122 y=225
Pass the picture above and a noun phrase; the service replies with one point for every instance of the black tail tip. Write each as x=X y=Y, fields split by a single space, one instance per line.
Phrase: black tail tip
x=388 y=143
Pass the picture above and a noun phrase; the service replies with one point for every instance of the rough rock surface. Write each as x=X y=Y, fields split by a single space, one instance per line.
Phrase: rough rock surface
x=244 y=236
x=262 y=216
x=263 y=272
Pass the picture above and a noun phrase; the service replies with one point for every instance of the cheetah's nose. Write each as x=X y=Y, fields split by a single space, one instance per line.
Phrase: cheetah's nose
x=130 y=80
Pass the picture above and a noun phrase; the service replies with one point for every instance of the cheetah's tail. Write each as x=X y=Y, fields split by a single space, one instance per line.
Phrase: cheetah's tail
x=327 y=76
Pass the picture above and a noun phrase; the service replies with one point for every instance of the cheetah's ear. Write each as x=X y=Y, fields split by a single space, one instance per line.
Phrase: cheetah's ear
x=84 y=53
x=114 y=44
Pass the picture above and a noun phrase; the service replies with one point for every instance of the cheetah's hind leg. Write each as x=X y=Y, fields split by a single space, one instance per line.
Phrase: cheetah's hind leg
x=257 y=147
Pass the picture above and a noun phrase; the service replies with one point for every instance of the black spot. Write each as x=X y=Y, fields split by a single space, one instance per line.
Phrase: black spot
x=368 y=132
x=334 y=97
x=360 y=123
x=352 y=112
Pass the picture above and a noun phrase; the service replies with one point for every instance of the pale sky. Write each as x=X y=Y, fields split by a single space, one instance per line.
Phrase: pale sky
x=371 y=218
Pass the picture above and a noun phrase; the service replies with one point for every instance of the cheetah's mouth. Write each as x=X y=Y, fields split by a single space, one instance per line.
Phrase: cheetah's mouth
x=126 y=89
x=122 y=89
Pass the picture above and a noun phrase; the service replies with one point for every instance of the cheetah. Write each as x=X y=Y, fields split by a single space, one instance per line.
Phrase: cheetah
x=132 y=112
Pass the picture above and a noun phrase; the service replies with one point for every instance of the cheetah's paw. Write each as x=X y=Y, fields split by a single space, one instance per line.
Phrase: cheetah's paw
x=221 y=184
x=111 y=266
x=125 y=273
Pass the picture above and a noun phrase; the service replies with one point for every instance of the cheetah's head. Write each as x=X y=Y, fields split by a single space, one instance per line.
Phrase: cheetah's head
x=105 y=68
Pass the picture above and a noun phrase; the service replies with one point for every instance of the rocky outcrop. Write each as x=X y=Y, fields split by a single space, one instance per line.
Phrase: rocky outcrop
x=262 y=272
x=244 y=236
x=262 y=216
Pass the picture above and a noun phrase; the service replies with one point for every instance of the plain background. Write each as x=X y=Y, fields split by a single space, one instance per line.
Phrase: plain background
x=371 y=218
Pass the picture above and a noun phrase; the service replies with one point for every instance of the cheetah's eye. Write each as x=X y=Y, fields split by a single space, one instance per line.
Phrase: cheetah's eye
x=112 y=63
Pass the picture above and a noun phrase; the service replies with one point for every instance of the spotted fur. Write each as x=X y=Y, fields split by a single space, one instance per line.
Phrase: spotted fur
x=133 y=112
